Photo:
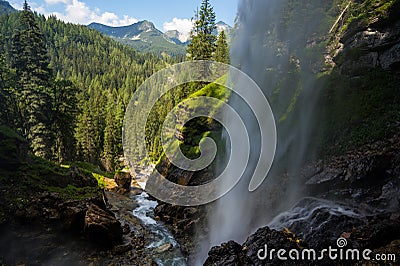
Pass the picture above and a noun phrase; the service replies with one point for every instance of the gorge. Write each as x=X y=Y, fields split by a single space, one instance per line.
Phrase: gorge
x=330 y=72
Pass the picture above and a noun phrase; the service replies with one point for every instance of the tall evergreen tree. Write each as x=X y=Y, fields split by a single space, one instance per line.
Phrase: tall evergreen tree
x=85 y=136
x=202 y=45
x=63 y=119
x=6 y=98
x=33 y=72
x=222 y=50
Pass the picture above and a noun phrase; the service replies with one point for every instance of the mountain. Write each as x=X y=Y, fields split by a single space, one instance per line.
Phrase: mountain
x=6 y=8
x=140 y=30
x=222 y=26
x=176 y=36
x=144 y=36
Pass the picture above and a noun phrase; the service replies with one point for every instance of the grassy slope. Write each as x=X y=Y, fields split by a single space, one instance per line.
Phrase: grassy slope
x=23 y=178
x=200 y=128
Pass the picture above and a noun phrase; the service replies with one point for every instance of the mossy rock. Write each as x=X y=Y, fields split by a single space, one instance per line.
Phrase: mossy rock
x=13 y=148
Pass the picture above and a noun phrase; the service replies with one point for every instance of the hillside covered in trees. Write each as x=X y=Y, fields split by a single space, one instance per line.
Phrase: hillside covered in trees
x=65 y=87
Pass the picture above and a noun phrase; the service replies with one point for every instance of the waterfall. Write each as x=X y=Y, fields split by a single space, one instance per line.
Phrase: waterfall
x=275 y=43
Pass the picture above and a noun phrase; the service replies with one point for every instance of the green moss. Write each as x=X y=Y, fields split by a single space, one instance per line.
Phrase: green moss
x=89 y=169
x=193 y=130
x=12 y=147
x=292 y=104
x=6 y=132
x=214 y=90
x=100 y=180
x=73 y=193
x=358 y=110
x=361 y=14
x=350 y=54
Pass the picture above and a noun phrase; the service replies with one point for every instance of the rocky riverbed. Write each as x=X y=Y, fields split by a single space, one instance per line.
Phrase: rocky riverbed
x=355 y=197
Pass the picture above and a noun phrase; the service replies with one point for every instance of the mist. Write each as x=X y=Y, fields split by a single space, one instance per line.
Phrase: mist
x=274 y=44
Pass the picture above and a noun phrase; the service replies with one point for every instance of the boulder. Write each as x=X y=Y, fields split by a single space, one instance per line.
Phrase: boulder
x=180 y=177
x=273 y=239
x=370 y=170
x=121 y=249
x=72 y=213
x=102 y=227
x=123 y=181
x=164 y=248
x=230 y=253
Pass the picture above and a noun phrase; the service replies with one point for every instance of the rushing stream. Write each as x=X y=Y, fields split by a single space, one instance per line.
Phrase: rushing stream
x=163 y=247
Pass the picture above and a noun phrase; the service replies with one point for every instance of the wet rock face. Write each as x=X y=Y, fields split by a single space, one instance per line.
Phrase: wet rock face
x=184 y=223
x=369 y=176
x=180 y=177
x=256 y=249
x=372 y=46
x=369 y=169
x=319 y=223
x=355 y=195
x=272 y=239
x=102 y=227
x=182 y=219
x=230 y=253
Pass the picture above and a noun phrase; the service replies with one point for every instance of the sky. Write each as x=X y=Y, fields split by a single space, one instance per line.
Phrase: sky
x=165 y=14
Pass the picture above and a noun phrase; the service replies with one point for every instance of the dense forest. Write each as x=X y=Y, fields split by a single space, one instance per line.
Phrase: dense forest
x=330 y=71
x=67 y=95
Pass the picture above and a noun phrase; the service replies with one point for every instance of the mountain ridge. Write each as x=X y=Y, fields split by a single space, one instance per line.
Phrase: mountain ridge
x=144 y=36
x=6 y=8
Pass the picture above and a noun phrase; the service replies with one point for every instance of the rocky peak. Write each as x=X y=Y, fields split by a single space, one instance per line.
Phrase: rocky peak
x=146 y=25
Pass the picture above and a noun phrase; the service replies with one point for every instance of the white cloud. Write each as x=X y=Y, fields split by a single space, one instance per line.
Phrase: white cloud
x=76 y=11
x=16 y=4
x=53 y=2
x=184 y=26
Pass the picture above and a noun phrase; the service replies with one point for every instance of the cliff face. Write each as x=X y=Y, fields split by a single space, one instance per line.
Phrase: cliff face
x=359 y=117
x=370 y=38
x=359 y=99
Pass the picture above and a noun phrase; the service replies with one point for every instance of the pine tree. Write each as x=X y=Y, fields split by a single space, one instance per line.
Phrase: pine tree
x=30 y=53
x=33 y=72
x=112 y=133
x=6 y=97
x=63 y=119
x=222 y=50
x=202 y=45
x=84 y=134
x=97 y=66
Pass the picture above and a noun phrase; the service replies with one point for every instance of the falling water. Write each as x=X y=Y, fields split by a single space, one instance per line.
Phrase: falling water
x=274 y=43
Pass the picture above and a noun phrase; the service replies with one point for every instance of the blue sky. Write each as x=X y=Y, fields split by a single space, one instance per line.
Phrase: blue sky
x=165 y=14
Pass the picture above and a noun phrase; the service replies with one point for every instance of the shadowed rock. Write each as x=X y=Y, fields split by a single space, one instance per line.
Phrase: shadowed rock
x=123 y=181
x=102 y=227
